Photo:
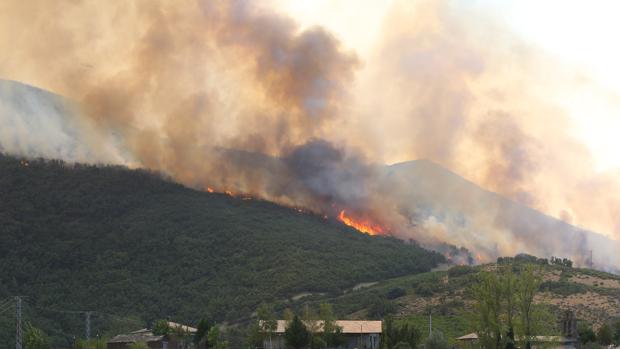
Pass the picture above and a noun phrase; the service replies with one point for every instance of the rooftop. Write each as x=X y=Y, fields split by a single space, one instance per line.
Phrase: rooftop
x=348 y=326
x=185 y=328
x=539 y=339
x=146 y=335
x=142 y=335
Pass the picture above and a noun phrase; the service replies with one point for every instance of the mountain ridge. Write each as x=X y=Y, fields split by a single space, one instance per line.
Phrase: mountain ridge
x=127 y=242
x=450 y=195
x=438 y=206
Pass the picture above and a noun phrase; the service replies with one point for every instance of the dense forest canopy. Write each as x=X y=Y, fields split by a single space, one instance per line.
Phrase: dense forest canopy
x=135 y=247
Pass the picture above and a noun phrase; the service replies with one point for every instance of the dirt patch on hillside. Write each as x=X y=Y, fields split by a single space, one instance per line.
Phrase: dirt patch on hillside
x=589 y=306
x=414 y=304
x=595 y=281
x=552 y=275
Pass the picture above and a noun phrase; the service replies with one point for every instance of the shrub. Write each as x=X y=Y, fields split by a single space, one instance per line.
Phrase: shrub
x=436 y=341
x=161 y=327
x=459 y=270
x=424 y=290
x=563 y=288
x=604 y=335
x=380 y=308
x=586 y=334
x=396 y=293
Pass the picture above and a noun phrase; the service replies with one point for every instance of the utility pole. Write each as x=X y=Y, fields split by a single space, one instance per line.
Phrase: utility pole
x=430 y=324
x=18 y=322
x=88 y=324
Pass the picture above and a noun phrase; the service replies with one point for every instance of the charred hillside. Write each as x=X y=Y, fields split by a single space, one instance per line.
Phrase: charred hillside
x=130 y=243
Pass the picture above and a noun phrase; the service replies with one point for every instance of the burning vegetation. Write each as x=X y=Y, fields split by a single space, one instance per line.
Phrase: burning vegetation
x=364 y=225
x=245 y=100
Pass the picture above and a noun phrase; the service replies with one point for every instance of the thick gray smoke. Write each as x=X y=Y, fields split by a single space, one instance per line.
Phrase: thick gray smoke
x=222 y=94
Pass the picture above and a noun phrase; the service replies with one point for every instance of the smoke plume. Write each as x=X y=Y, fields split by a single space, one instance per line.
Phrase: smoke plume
x=223 y=94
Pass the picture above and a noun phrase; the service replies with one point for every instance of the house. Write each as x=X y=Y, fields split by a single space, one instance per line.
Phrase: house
x=360 y=334
x=123 y=341
x=171 y=341
x=568 y=340
x=183 y=328
x=471 y=341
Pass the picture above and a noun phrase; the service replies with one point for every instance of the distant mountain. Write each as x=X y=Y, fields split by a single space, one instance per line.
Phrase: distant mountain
x=439 y=206
x=133 y=246
x=489 y=223
x=38 y=123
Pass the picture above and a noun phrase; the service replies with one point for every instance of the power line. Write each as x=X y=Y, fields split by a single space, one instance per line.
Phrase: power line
x=87 y=314
x=10 y=307
x=88 y=317
x=8 y=303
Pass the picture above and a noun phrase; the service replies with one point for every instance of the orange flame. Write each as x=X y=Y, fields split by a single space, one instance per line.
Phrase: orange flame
x=365 y=226
x=210 y=190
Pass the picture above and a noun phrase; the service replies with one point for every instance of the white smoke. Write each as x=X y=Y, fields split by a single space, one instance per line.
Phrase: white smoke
x=35 y=123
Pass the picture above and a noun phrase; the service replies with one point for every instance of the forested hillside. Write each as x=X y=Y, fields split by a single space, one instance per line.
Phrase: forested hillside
x=135 y=247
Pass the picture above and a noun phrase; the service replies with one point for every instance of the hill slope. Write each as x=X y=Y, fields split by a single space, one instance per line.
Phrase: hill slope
x=593 y=296
x=487 y=223
x=129 y=243
x=432 y=205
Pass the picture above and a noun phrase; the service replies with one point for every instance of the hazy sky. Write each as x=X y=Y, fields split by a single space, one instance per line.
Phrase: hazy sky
x=519 y=97
x=580 y=35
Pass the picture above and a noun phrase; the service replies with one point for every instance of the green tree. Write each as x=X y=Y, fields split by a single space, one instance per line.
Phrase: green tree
x=214 y=338
x=488 y=294
x=504 y=307
x=311 y=320
x=509 y=283
x=393 y=335
x=386 y=333
x=436 y=341
x=267 y=321
x=254 y=335
x=604 y=335
x=35 y=338
x=616 y=331
x=528 y=285
x=380 y=308
x=288 y=315
x=161 y=327
x=332 y=333
x=202 y=331
x=586 y=334
x=296 y=334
